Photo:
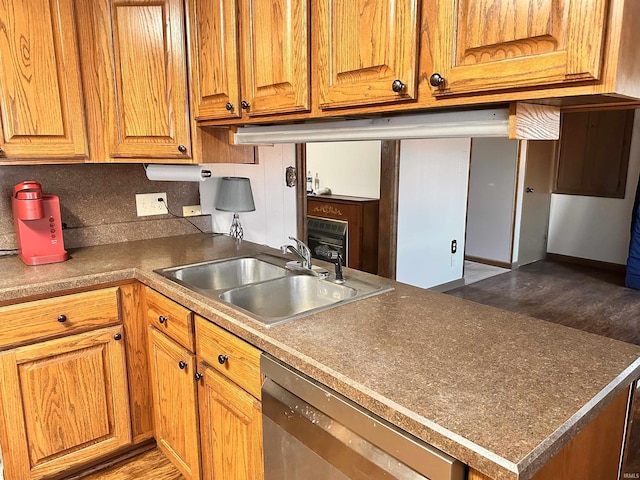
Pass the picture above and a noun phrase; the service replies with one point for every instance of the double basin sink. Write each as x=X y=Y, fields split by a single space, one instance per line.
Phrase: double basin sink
x=268 y=292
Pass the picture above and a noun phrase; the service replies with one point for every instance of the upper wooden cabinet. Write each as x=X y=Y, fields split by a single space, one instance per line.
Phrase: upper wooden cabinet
x=274 y=56
x=502 y=44
x=41 y=103
x=367 y=51
x=262 y=46
x=213 y=43
x=149 y=114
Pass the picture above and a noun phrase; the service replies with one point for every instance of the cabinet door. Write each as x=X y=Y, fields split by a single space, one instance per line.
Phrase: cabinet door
x=213 y=43
x=41 y=104
x=500 y=44
x=274 y=56
x=174 y=403
x=231 y=429
x=364 y=47
x=149 y=111
x=64 y=403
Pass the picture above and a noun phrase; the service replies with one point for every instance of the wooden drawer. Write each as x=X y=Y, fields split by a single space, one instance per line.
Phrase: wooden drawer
x=170 y=318
x=230 y=355
x=58 y=316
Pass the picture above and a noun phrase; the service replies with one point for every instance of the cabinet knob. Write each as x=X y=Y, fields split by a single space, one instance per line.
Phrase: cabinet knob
x=182 y=149
x=162 y=319
x=198 y=376
x=397 y=86
x=436 y=80
x=62 y=318
x=117 y=336
x=229 y=106
x=244 y=104
x=182 y=364
x=222 y=359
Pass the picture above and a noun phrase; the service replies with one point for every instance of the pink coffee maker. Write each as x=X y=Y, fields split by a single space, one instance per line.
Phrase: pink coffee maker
x=38 y=227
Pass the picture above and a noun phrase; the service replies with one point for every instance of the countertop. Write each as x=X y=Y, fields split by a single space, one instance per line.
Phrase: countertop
x=501 y=392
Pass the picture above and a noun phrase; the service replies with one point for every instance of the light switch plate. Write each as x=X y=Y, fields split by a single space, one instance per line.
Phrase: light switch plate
x=191 y=210
x=148 y=204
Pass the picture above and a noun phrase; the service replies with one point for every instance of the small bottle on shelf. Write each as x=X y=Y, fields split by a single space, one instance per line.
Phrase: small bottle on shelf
x=316 y=184
x=309 y=182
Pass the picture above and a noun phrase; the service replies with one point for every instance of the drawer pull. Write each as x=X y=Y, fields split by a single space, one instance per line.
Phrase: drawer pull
x=222 y=359
x=182 y=364
x=62 y=318
x=117 y=337
x=198 y=376
x=162 y=319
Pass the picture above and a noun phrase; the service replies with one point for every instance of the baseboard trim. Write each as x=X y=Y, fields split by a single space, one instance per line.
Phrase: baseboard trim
x=587 y=262
x=486 y=261
x=445 y=287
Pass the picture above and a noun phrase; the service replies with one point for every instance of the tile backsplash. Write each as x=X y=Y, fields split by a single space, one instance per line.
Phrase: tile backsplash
x=97 y=202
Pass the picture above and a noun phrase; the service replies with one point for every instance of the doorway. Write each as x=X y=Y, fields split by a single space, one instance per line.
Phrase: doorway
x=384 y=187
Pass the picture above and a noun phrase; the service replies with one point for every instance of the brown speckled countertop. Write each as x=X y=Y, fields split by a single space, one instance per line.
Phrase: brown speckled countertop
x=499 y=391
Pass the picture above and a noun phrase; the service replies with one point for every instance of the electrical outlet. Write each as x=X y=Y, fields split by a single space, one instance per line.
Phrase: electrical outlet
x=191 y=210
x=148 y=204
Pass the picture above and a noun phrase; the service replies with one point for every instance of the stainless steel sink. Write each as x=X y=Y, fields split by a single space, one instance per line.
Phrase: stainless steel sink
x=268 y=292
x=285 y=298
x=224 y=274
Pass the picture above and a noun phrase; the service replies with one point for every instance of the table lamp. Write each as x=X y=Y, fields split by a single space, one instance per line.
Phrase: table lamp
x=234 y=195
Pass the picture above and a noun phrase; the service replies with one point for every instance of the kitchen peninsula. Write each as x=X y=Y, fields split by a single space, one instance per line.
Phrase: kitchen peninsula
x=501 y=392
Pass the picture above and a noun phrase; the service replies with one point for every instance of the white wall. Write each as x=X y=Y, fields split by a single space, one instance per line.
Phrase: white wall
x=275 y=216
x=596 y=228
x=347 y=168
x=492 y=184
x=432 y=207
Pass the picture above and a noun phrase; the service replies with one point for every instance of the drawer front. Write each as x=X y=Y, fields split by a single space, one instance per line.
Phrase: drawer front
x=229 y=355
x=58 y=316
x=170 y=318
x=334 y=210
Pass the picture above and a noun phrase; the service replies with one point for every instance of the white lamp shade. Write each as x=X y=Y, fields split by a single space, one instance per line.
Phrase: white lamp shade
x=235 y=195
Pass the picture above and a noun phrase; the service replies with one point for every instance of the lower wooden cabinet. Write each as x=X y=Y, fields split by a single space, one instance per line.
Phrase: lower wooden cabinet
x=230 y=429
x=175 y=404
x=64 y=403
x=207 y=409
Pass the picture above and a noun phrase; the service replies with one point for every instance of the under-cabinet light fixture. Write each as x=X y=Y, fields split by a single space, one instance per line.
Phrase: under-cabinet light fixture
x=533 y=121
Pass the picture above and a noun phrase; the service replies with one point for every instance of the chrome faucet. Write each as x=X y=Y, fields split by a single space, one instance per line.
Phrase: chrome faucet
x=302 y=252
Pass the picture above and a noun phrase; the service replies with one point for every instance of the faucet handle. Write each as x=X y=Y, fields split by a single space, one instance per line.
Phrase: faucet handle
x=301 y=245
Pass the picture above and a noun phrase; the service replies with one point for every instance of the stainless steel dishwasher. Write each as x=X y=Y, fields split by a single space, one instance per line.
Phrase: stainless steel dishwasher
x=313 y=433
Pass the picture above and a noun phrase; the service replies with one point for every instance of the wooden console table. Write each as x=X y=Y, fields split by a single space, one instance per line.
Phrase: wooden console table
x=361 y=214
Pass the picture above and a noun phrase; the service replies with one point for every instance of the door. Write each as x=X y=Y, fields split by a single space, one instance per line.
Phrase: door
x=367 y=51
x=64 y=402
x=536 y=201
x=175 y=403
x=275 y=65
x=499 y=44
x=213 y=42
x=231 y=429
x=149 y=110
x=41 y=103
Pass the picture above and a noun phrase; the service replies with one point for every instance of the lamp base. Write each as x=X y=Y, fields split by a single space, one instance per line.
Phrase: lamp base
x=236 y=228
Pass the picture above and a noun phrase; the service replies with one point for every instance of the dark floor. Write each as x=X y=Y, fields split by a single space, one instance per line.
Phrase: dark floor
x=577 y=296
